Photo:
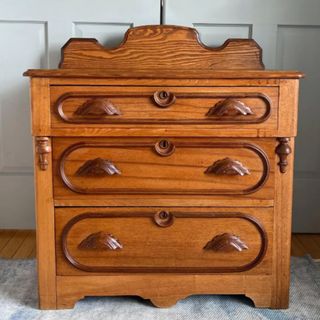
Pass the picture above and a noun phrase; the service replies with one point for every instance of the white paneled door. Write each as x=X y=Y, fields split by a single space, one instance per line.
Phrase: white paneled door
x=289 y=33
x=31 y=34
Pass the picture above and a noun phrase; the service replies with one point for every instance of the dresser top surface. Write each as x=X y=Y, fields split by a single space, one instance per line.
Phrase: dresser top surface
x=162 y=51
x=165 y=74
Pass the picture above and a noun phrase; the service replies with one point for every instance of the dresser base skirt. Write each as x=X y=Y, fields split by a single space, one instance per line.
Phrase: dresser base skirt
x=165 y=290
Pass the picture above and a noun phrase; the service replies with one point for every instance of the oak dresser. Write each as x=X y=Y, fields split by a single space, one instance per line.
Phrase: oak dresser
x=163 y=169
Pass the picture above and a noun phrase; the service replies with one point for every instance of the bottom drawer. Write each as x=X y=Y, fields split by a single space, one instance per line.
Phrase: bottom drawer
x=165 y=240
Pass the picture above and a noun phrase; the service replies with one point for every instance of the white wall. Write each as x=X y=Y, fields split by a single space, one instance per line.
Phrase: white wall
x=289 y=33
x=32 y=33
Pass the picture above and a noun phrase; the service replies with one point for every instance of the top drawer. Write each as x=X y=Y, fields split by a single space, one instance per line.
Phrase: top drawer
x=254 y=107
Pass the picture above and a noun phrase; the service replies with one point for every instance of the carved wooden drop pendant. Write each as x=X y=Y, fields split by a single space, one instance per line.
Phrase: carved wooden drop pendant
x=43 y=149
x=283 y=150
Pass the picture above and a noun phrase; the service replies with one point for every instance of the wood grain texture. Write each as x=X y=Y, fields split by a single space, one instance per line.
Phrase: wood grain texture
x=40 y=114
x=137 y=105
x=67 y=75
x=137 y=200
x=46 y=265
x=5 y=237
x=12 y=243
x=27 y=248
x=171 y=46
x=282 y=233
x=301 y=244
x=148 y=248
x=162 y=108
x=184 y=172
x=170 y=288
x=288 y=113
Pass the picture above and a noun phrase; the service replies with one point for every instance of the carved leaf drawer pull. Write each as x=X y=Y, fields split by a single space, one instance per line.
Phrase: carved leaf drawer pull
x=97 y=107
x=226 y=242
x=100 y=240
x=164 y=99
x=230 y=107
x=98 y=167
x=227 y=167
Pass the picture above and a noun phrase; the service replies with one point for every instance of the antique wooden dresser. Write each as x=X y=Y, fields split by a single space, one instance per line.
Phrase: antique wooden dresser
x=163 y=169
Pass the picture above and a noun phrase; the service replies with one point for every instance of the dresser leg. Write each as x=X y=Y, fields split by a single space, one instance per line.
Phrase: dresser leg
x=47 y=302
x=282 y=303
x=260 y=300
x=67 y=302
x=46 y=261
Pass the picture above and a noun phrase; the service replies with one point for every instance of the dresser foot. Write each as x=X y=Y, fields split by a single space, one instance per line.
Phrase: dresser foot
x=47 y=302
x=68 y=302
x=164 y=302
x=260 y=300
x=281 y=301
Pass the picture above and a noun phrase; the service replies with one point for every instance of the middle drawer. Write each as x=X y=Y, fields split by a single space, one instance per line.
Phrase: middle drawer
x=179 y=166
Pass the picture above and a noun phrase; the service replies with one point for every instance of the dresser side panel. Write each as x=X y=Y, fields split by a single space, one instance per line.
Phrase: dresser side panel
x=282 y=232
x=40 y=107
x=46 y=261
x=288 y=108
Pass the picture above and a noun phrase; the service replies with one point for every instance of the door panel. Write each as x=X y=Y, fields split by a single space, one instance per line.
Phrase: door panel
x=289 y=33
x=32 y=33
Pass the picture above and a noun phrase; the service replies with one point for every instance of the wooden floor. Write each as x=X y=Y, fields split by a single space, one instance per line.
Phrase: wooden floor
x=17 y=244
x=21 y=244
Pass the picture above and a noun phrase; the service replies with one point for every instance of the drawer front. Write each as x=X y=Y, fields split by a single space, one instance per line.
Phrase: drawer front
x=254 y=106
x=162 y=240
x=167 y=166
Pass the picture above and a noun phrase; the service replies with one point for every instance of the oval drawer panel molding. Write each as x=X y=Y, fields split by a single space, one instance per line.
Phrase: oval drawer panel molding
x=180 y=247
x=168 y=106
x=203 y=167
